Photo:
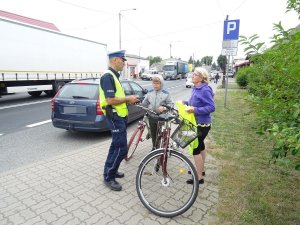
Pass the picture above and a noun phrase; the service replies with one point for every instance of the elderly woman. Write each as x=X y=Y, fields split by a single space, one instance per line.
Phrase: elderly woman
x=202 y=105
x=154 y=100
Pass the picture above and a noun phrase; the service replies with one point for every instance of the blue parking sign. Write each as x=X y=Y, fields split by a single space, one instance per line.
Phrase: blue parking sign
x=231 y=29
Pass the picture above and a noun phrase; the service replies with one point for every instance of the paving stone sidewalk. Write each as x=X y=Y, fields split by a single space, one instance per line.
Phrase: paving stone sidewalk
x=68 y=189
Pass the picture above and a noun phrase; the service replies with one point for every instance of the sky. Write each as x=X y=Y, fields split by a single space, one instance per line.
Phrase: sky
x=190 y=27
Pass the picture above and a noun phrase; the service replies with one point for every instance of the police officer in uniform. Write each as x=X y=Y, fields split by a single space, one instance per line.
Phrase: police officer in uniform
x=114 y=105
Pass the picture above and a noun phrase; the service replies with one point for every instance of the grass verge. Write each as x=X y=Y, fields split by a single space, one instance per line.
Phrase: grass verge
x=252 y=191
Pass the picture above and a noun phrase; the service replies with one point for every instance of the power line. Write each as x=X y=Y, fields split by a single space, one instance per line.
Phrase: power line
x=91 y=26
x=170 y=32
x=86 y=8
x=238 y=7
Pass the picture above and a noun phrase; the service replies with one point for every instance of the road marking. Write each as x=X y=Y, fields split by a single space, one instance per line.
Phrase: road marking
x=39 y=123
x=175 y=87
x=24 y=104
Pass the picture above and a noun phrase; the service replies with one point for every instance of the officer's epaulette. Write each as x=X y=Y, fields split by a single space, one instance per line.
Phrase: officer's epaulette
x=164 y=91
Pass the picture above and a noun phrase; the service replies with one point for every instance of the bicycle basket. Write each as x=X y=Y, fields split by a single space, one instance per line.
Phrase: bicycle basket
x=184 y=134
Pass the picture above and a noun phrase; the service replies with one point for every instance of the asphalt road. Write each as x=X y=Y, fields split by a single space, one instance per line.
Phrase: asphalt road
x=27 y=134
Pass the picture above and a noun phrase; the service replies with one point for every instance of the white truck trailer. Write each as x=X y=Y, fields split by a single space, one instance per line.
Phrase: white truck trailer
x=34 y=59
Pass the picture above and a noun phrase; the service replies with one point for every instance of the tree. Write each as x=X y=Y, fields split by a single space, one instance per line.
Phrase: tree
x=155 y=59
x=191 y=60
x=222 y=61
x=294 y=5
x=252 y=47
x=214 y=66
x=198 y=63
x=207 y=60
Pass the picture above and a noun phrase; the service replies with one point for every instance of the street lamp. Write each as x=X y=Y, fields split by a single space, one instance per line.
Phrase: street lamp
x=171 y=47
x=120 y=15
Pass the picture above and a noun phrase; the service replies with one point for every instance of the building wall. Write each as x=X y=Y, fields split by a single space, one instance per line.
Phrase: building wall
x=134 y=65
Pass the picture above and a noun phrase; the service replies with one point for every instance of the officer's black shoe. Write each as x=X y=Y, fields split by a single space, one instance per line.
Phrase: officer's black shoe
x=119 y=175
x=113 y=185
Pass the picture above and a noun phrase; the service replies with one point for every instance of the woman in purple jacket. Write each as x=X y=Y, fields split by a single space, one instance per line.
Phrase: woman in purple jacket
x=202 y=105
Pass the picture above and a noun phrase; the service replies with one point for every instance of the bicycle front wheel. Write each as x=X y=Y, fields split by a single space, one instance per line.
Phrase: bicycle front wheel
x=169 y=196
x=133 y=142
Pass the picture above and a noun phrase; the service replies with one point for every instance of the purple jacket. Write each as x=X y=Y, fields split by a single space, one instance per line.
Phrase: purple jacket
x=203 y=103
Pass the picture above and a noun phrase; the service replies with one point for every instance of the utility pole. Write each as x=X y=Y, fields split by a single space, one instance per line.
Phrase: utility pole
x=223 y=78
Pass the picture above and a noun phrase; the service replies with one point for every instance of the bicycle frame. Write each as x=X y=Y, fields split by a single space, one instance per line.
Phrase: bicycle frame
x=142 y=124
x=165 y=141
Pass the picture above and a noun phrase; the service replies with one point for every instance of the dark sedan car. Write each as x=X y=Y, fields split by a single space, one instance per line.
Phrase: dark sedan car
x=76 y=105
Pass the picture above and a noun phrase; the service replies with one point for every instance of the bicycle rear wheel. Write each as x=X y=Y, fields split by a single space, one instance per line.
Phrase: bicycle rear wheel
x=133 y=142
x=173 y=197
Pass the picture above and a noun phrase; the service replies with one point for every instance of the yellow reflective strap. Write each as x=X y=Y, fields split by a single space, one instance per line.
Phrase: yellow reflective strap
x=191 y=118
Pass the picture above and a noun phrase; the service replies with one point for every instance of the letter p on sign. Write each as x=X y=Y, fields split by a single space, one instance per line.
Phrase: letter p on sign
x=231 y=26
x=231 y=29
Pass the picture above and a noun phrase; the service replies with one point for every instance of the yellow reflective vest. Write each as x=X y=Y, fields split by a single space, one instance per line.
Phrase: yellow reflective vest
x=121 y=109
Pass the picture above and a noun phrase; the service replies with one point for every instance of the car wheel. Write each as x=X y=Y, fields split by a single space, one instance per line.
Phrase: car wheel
x=35 y=93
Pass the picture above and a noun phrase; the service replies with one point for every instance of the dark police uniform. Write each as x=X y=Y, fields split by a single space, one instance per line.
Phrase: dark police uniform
x=118 y=126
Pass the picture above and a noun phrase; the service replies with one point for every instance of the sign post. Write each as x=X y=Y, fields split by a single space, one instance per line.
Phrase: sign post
x=230 y=45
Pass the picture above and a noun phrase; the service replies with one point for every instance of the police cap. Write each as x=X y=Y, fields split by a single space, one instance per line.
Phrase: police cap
x=120 y=54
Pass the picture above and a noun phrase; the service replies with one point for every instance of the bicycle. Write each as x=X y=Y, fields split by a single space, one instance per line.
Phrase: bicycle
x=161 y=177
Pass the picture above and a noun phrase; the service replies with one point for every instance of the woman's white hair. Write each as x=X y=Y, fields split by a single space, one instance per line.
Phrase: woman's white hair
x=203 y=73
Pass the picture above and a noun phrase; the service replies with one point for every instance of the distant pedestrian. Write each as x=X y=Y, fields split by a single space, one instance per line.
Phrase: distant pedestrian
x=217 y=77
x=114 y=104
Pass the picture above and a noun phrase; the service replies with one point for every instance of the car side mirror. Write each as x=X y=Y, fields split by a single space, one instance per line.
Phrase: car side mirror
x=145 y=91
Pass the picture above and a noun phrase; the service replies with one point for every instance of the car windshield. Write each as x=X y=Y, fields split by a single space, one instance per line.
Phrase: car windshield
x=169 y=68
x=80 y=91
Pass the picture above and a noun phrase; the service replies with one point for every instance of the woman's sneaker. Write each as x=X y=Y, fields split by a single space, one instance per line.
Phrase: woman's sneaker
x=191 y=181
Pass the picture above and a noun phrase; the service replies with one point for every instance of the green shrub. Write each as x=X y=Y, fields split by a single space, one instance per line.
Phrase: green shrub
x=274 y=79
x=242 y=77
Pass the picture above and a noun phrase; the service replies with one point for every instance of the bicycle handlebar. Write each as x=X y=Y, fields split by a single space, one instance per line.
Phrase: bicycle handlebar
x=164 y=116
x=147 y=109
x=170 y=108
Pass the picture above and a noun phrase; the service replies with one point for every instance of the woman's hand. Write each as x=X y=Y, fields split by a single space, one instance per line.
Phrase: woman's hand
x=190 y=109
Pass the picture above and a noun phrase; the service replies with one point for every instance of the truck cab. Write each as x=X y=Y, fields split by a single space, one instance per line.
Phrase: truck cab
x=175 y=70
